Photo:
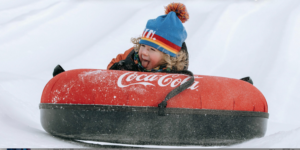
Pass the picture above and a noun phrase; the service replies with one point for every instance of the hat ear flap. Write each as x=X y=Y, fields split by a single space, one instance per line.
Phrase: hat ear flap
x=184 y=49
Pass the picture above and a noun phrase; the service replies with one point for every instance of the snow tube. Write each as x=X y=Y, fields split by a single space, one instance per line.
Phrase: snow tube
x=122 y=107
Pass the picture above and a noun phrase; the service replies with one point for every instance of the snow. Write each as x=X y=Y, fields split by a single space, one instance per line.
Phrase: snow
x=232 y=38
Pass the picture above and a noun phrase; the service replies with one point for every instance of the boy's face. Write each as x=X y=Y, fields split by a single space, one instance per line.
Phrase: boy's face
x=150 y=57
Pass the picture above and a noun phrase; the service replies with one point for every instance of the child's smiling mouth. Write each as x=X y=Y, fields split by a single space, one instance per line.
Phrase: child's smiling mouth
x=145 y=63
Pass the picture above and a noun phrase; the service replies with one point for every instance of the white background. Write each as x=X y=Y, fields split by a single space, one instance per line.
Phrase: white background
x=228 y=38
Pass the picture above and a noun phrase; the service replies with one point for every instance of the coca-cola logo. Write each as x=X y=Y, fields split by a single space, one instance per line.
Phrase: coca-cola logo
x=172 y=80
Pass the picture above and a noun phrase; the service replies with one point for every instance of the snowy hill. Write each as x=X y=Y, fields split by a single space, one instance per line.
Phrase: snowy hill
x=229 y=38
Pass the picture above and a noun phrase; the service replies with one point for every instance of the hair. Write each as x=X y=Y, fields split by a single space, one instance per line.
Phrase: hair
x=178 y=63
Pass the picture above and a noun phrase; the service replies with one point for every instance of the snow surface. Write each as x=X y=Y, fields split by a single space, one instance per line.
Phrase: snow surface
x=229 y=38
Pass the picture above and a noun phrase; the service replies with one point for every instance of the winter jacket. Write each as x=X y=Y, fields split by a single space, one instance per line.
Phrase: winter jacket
x=123 y=61
x=126 y=61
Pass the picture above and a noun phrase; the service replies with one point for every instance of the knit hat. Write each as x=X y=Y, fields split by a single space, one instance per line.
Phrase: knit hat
x=166 y=33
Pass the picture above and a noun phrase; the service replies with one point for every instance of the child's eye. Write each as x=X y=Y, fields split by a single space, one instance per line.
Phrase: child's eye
x=143 y=45
x=152 y=49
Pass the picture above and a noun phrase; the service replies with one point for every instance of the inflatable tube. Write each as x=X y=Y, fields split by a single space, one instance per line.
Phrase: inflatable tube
x=122 y=107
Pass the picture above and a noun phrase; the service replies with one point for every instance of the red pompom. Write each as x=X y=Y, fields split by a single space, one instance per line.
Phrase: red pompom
x=180 y=11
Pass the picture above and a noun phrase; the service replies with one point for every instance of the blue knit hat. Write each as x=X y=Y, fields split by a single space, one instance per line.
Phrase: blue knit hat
x=167 y=33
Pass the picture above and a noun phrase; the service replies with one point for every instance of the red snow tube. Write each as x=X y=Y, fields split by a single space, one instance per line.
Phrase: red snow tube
x=122 y=106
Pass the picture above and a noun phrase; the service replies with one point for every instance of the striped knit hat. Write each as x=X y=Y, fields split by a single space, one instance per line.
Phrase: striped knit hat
x=166 y=33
